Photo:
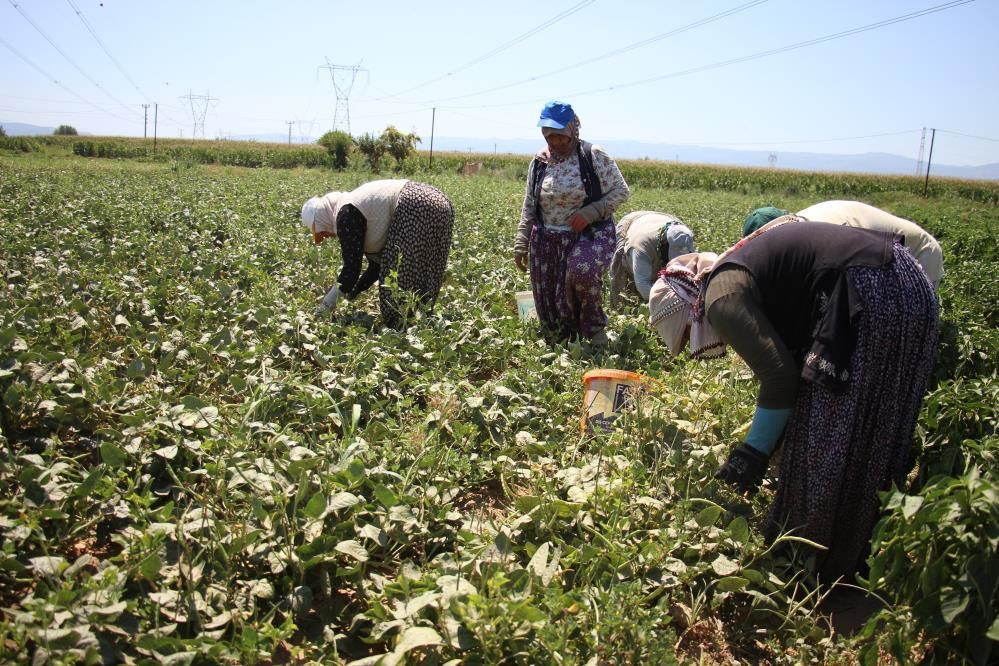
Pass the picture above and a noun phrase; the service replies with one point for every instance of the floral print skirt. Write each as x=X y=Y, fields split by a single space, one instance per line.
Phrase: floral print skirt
x=567 y=270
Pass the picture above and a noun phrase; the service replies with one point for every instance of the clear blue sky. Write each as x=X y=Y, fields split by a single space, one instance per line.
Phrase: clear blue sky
x=666 y=72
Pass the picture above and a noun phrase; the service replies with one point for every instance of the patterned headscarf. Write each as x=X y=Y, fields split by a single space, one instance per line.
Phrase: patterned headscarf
x=572 y=131
x=676 y=302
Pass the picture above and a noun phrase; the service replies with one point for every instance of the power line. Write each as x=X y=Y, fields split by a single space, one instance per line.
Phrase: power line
x=63 y=54
x=58 y=83
x=499 y=49
x=784 y=49
x=968 y=136
x=93 y=34
x=717 y=65
x=609 y=54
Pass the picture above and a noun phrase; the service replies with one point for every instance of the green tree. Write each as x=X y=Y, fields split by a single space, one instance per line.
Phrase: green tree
x=338 y=144
x=399 y=145
x=373 y=148
x=3 y=132
x=65 y=130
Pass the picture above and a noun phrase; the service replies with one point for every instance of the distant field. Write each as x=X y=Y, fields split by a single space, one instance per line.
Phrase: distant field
x=195 y=468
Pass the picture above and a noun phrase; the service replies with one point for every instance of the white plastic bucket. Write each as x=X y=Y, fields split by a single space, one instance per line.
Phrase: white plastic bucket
x=606 y=394
x=525 y=305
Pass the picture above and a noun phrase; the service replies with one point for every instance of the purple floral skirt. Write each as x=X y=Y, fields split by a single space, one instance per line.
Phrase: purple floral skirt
x=567 y=272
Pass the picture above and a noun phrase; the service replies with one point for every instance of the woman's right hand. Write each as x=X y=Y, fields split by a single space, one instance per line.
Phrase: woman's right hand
x=520 y=258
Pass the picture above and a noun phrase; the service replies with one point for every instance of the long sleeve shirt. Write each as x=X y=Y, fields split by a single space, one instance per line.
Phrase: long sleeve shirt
x=783 y=302
x=562 y=195
x=352 y=228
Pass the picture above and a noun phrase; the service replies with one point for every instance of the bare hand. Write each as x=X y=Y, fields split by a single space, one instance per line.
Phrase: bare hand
x=578 y=223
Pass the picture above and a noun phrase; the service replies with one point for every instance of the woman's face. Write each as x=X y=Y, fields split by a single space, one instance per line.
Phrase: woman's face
x=558 y=143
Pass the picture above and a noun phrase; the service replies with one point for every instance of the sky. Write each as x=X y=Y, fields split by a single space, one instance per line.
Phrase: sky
x=829 y=76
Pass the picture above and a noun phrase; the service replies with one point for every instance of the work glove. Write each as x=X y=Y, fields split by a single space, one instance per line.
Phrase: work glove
x=328 y=304
x=744 y=469
x=578 y=223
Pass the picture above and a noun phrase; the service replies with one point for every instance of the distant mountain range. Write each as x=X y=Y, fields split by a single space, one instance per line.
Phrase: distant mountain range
x=876 y=163
x=24 y=129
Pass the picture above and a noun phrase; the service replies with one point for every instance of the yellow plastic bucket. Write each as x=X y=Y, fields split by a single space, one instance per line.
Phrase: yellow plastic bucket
x=525 y=305
x=606 y=394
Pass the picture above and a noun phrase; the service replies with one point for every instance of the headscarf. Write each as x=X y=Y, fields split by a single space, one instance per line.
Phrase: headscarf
x=676 y=302
x=759 y=217
x=319 y=215
x=675 y=239
x=571 y=130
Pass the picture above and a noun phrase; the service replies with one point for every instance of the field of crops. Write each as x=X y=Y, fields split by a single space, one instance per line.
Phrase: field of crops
x=195 y=467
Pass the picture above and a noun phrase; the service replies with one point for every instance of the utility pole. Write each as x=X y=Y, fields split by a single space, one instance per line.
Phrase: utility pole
x=145 y=119
x=929 y=161
x=289 y=123
x=343 y=80
x=433 y=117
x=199 y=109
x=156 y=117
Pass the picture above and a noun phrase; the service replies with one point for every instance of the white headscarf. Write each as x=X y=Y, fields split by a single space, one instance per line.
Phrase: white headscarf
x=319 y=215
x=675 y=303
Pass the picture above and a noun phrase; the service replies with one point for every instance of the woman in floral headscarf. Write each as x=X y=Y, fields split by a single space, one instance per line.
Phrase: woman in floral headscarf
x=566 y=228
x=840 y=327
x=401 y=226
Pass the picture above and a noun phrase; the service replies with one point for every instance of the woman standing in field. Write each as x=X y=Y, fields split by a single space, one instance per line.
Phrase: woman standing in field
x=645 y=241
x=566 y=228
x=839 y=325
x=401 y=226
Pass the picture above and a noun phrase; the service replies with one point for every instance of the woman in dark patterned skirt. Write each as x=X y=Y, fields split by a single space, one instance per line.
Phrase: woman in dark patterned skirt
x=840 y=327
x=566 y=230
x=401 y=226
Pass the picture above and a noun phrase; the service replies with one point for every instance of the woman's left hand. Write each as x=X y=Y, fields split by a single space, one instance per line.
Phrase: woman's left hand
x=319 y=236
x=578 y=223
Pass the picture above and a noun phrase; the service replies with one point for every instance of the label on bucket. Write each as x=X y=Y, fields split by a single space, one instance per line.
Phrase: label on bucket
x=525 y=305
x=606 y=398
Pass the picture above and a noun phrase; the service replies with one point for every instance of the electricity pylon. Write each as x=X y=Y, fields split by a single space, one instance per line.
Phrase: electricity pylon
x=199 y=109
x=343 y=80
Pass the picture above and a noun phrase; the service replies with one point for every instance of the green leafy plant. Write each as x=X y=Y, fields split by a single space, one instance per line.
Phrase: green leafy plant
x=400 y=146
x=372 y=148
x=935 y=556
x=195 y=467
x=338 y=145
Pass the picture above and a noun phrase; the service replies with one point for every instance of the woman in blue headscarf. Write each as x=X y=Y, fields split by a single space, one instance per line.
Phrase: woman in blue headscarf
x=566 y=232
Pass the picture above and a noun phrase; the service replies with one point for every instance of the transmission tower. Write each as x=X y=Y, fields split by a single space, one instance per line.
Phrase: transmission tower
x=343 y=80
x=772 y=158
x=199 y=109
x=919 y=161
